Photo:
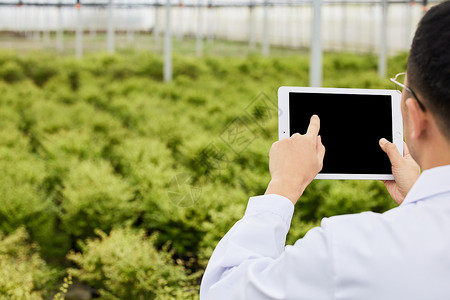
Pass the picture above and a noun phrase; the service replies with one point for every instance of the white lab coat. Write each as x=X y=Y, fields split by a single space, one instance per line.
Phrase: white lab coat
x=401 y=254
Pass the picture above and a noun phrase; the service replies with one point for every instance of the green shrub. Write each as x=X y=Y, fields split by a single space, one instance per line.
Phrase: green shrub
x=94 y=197
x=149 y=66
x=101 y=143
x=7 y=55
x=73 y=77
x=11 y=137
x=222 y=208
x=191 y=68
x=23 y=274
x=219 y=67
x=11 y=72
x=350 y=62
x=23 y=203
x=397 y=63
x=142 y=158
x=126 y=265
x=59 y=90
x=40 y=67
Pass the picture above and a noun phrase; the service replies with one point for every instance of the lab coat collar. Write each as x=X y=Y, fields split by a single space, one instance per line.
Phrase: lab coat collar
x=430 y=183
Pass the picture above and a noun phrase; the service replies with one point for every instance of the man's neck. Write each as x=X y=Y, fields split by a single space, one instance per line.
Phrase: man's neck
x=436 y=153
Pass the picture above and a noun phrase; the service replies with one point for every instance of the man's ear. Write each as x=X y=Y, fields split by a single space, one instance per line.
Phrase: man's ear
x=417 y=118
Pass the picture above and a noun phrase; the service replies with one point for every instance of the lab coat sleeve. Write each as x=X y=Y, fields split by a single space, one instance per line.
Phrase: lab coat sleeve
x=252 y=262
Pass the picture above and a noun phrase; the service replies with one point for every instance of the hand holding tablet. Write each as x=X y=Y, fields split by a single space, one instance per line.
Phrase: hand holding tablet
x=404 y=168
x=352 y=123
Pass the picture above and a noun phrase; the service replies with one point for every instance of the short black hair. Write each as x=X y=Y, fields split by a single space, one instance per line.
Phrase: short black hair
x=429 y=64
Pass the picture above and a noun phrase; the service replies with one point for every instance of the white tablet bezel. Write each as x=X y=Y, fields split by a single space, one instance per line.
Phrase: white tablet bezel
x=397 y=123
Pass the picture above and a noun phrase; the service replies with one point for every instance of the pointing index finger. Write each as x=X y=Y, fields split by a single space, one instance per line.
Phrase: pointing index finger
x=314 y=126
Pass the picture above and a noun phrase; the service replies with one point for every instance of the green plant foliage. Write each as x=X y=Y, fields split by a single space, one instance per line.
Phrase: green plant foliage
x=11 y=72
x=101 y=144
x=94 y=197
x=22 y=202
x=23 y=274
x=126 y=265
x=40 y=67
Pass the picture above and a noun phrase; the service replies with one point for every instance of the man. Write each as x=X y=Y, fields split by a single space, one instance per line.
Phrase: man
x=401 y=254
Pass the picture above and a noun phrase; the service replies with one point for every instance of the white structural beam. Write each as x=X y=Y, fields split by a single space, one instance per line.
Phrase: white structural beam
x=130 y=25
x=315 y=70
x=343 y=26
x=382 y=56
x=111 y=32
x=265 y=45
x=211 y=27
x=168 y=46
x=156 y=30
x=199 y=42
x=79 y=35
x=45 y=26
x=408 y=25
x=251 y=27
x=59 y=32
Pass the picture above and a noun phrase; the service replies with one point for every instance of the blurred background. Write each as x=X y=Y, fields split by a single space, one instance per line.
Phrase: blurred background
x=132 y=133
x=347 y=25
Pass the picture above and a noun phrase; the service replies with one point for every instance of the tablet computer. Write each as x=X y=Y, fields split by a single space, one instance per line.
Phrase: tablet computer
x=352 y=121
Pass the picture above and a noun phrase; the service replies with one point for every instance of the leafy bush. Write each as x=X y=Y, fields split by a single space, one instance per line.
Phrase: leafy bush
x=99 y=144
x=190 y=68
x=94 y=197
x=23 y=203
x=150 y=66
x=126 y=265
x=40 y=67
x=350 y=62
x=23 y=274
x=11 y=72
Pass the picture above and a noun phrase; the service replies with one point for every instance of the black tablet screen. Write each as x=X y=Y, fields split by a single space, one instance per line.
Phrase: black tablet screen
x=350 y=127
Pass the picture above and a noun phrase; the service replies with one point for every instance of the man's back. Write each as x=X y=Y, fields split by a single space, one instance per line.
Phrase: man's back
x=401 y=254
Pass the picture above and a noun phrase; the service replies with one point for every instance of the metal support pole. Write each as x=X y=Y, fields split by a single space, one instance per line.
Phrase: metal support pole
x=130 y=35
x=382 y=63
x=168 y=46
x=265 y=48
x=45 y=26
x=251 y=27
x=79 y=35
x=93 y=27
x=156 y=26
x=17 y=19
x=344 y=27
x=130 y=23
x=110 y=28
x=36 y=32
x=199 y=43
x=60 y=32
x=178 y=28
x=301 y=28
x=211 y=22
x=289 y=28
x=315 y=70
x=408 y=27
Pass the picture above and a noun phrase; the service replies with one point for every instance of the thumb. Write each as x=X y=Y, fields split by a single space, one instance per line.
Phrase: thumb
x=391 y=150
x=320 y=148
